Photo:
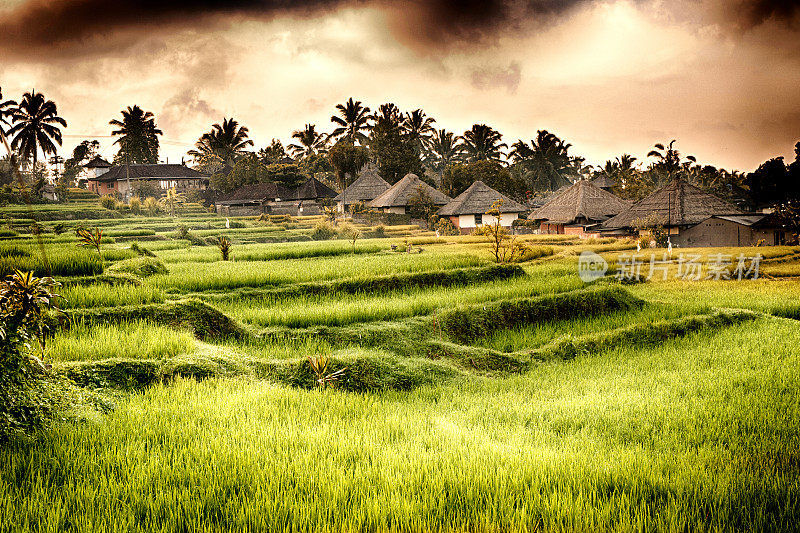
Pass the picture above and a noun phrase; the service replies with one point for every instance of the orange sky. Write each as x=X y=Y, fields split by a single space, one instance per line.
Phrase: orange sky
x=607 y=76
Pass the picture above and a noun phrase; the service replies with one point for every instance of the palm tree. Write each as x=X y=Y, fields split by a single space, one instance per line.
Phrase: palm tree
x=482 y=143
x=225 y=142
x=6 y=109
x=138 y=142
x=419 y=128
x=668 y=161
x=547 y=161
x=445 y=149
x=354 y=120
x=310 y=142
x=35 y=127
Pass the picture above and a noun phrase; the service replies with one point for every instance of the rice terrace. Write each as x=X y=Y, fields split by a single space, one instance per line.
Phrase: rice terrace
x=375 y=323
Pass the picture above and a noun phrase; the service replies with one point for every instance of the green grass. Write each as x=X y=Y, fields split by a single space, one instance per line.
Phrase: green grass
x=696 y=434
x=339 y=310
x=106 y=295
x=196 y=277
x=126 y=340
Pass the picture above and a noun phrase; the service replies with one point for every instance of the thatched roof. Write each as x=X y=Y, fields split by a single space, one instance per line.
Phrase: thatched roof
x=149 y=172
x=582 y=199
x=97 y=162
x=257 y=193
x=676 y=204
x=368 y=186
x=313 y=189
x=604 y=182
x=399 y=193
x=478 y=199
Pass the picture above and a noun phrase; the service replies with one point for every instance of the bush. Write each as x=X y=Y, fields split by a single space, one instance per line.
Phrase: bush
x=445 y=227
x=323 y=231
x=140 y=266
x=26 y=402
x=135 y=205
x=108 y=201
x=380 y=231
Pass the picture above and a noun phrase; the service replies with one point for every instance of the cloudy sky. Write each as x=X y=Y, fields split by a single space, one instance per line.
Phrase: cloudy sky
x=610 y=76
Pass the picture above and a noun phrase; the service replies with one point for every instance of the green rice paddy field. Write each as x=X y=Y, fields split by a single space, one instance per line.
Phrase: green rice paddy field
x=471 y=398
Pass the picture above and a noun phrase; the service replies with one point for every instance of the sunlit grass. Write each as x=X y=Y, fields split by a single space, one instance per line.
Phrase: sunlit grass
x=102 y=295
x=697 y=434
x=128 y=340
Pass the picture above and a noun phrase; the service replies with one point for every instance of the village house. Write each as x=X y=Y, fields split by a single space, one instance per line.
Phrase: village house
x=368 y=186
x=693 y=217
x=254 y=199
x=467 y=211
x=396 y=199
x=578 y=210
x=122 y=179
x=310 y=197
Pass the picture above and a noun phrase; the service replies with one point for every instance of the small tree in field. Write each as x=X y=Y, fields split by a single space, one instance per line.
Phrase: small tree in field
x=172 y=200
x=224 y=245
x=351 y=233
x=505 y=247
x=90 y=237
x=420 y=205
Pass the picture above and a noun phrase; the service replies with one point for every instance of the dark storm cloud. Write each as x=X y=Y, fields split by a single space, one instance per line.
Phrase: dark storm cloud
x=755 y=12
x=89 y=27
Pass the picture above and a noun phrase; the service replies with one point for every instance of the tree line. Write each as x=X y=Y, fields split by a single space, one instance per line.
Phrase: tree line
x=395 y=143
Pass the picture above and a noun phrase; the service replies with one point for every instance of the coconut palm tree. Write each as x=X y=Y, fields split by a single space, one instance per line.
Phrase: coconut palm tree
x=419 y=129
x=5 y=112
x=225 y=142
x=138 y=141
x=445 y=149
x=352 y=123
x=35 y=126
x=668 y=162
x=546 y=160
x=310 y=142
x=482 y=143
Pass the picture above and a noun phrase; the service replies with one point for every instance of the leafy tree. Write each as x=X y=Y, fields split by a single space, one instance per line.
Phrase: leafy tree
x=352 y=122
x=668 y=164
x=309 y=142
x=770 y=183
x=138 y=136
x=457 y=178
x=273 y=153
x=35 y=127
x=394 y=151
x=225 y=142
x=247 y=170
x=347 y=160
x=482 y=143
x=420 y=205
x=289 y=175
x=789 y=213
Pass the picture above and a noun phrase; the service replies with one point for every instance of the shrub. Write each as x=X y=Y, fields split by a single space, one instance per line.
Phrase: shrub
x=323 y=231
x=108 y=201
x=135 y=205
x=380 y=231
x=25 y=405
x=224 y=245
x=444 y=226
x=151 y=205
x=350 y=232
x=140 y=266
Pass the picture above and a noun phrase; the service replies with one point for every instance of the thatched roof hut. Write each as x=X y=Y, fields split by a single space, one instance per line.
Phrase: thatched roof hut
x=604 y=182
x=399 y=194
x=313 y=189
x=478 y=199
x=582 y=202
x=257 y=194
x=368 y=186
x=676 y=204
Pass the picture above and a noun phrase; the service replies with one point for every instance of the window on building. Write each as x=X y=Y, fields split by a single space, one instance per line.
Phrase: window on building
x=478 y=219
